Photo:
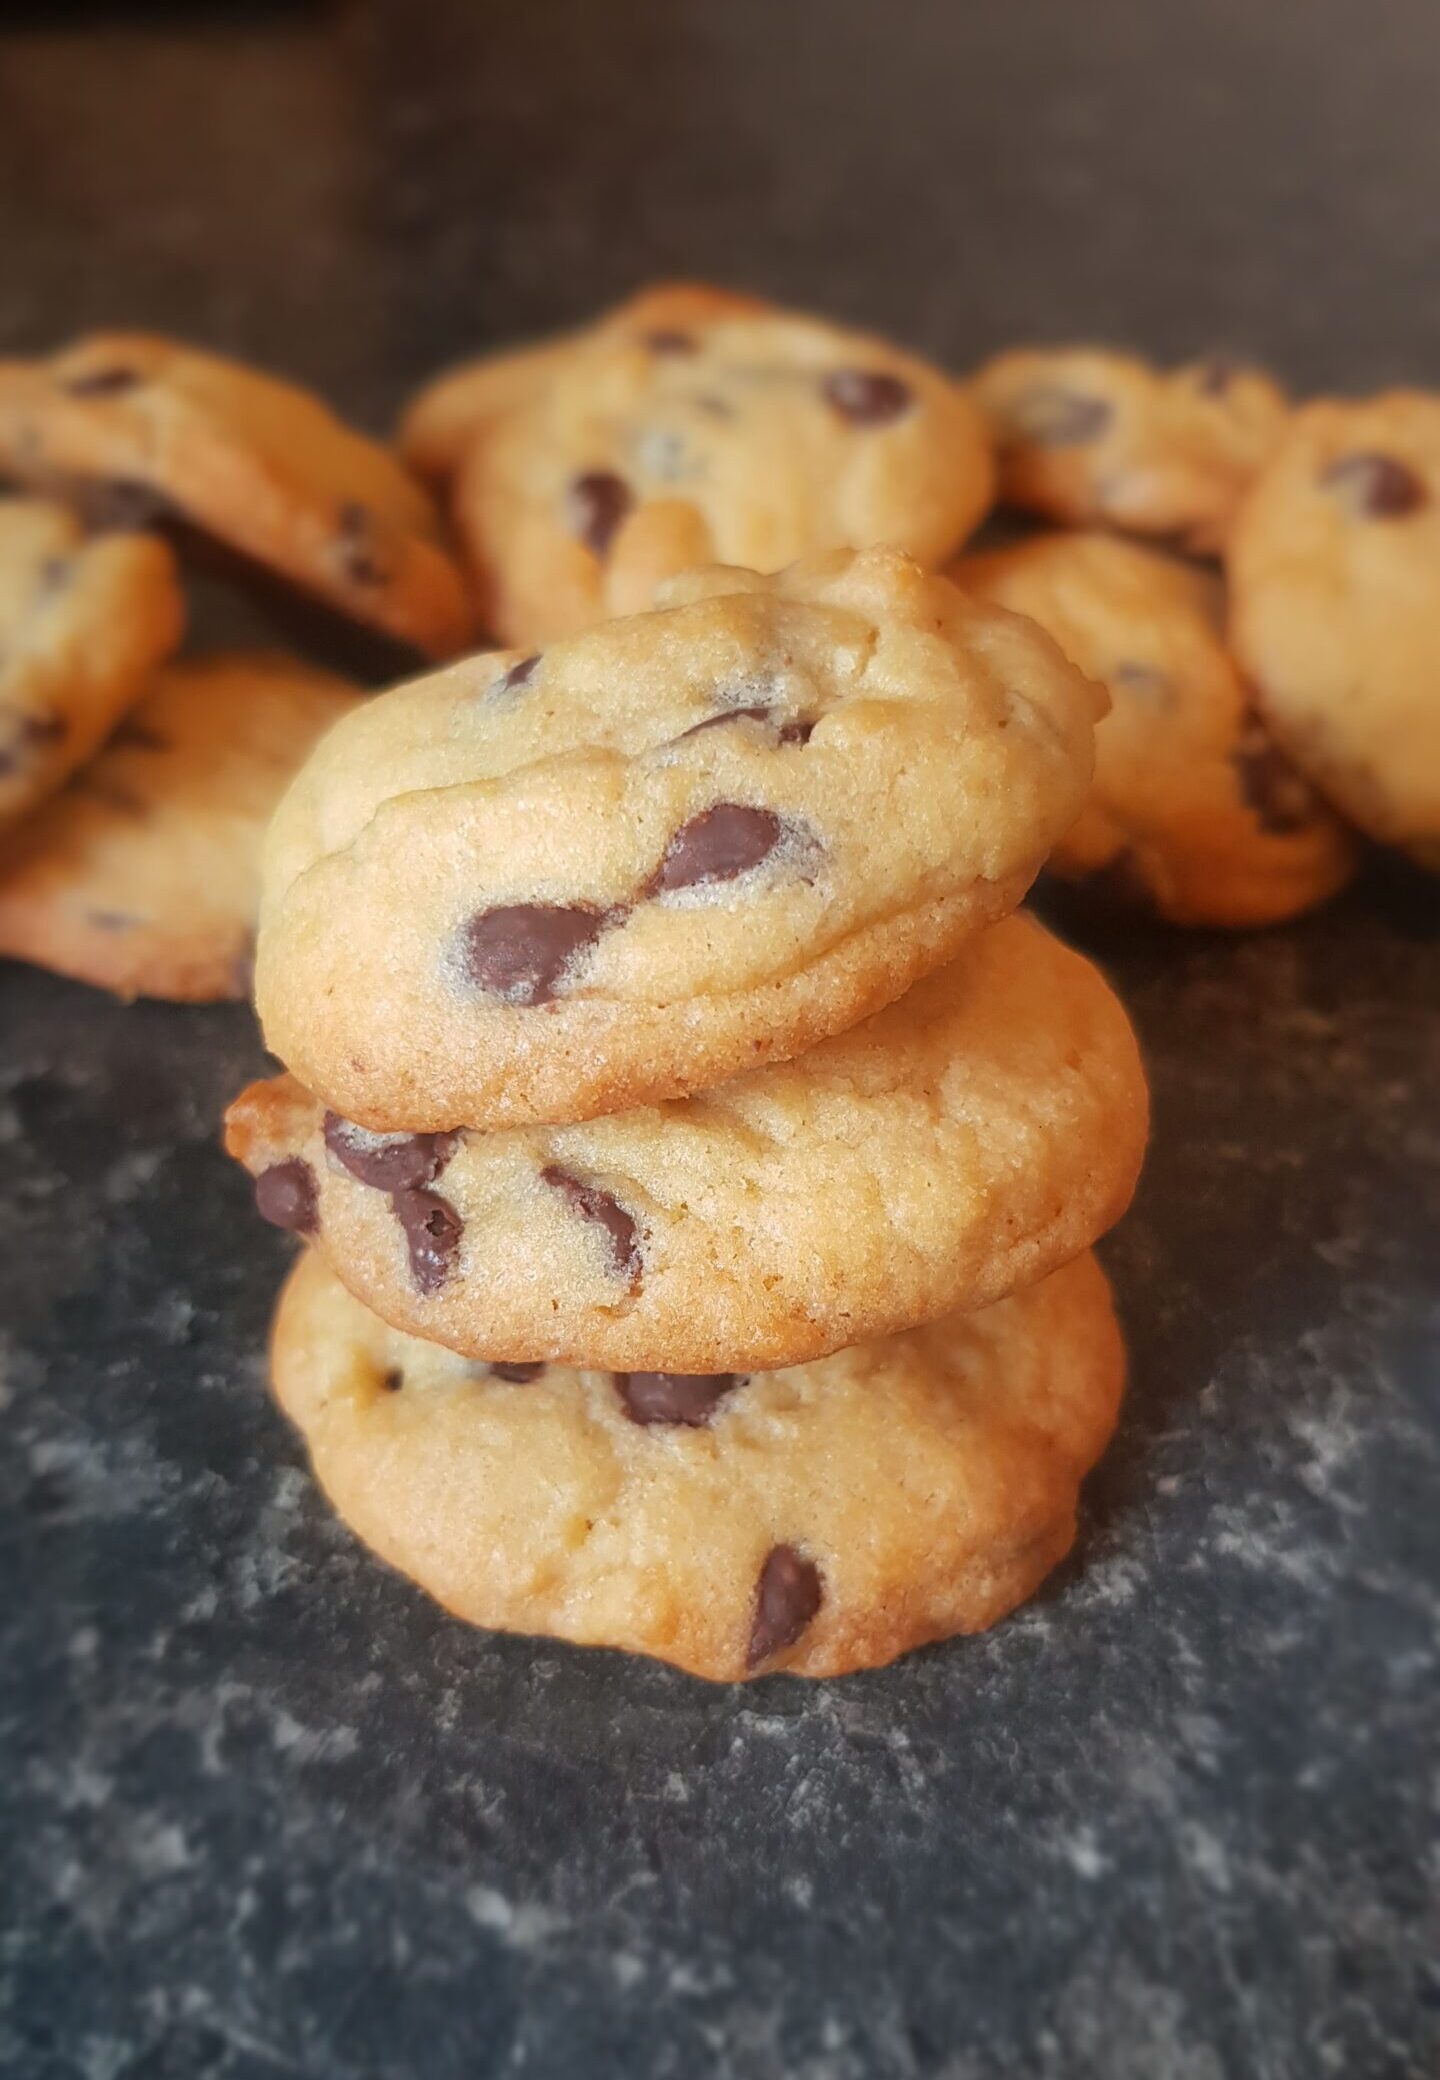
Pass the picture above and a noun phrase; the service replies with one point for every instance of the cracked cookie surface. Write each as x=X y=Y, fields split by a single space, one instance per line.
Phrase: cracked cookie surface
x=820 y=1519
x=972 y=1136
x=1194 y=811
x=629 y=865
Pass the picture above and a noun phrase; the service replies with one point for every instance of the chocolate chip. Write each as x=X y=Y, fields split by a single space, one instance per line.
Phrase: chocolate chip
x=285 y=1196
x=1146 y=681
x=517 y=1375
x=785 y=732
x=54 y=575
x=1214 y=376
x=389 y=1162
x=1375 y=486
x=866 y=397
x=26 y=735
x=595 y=504
x=102 y=382
x=140 y=737
x=360 y=559
x=593 y=1204
x=787 y=1596
x=717 y=845
x=518 y=674
x=1055 y=418
x=523 y=951
x=121 y=505
x=432 y=1229
x=111 y=920
x=1280 y=798
x=796 y=732
x=674 y=1397
x=121 y=799
x=663 y=342
x=393 y=1380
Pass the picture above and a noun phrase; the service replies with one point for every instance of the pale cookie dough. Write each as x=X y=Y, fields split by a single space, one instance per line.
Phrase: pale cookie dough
x=1334 y=565
x=256 y=463
x=1094 y=437
x=143 y=874
x=969 y=1138
x=623 y=868
x=83 y=624
x=749 y=436
x=812 y=1521
x=1194 y=811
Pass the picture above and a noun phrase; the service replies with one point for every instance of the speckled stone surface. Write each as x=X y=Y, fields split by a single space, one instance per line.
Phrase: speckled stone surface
x=263 y=1810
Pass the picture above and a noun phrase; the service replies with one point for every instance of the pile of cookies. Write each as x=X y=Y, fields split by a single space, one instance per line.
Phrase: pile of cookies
x=698 y=1161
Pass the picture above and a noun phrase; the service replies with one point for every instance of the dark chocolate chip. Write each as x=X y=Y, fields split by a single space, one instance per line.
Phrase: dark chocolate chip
x=285 y=1196
x=1377 y=487
x=26 y=735
x=517 y=1375
x=717 y=845
x=389 y=1162
x=1280 y=798
x=866 y=397
x=674 y=1397
x=518 y=674
x=120 y=505
x=1146 y=681
x=663 y=342
x=432 y=1229
x=796 y=732
x=111 y=920
x=102 y=382
x=140 y=737
x=360 y=559
x=121 y=799
x=593 y=1204
x=595 y=504
x=523 y=951
x=787 y=1596
x=785 y=732
x=1214 y=376
x=1052 y=417
x=393 y=1380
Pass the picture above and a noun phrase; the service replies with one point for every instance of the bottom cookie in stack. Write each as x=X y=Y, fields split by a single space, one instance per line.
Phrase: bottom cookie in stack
x=815 y=1520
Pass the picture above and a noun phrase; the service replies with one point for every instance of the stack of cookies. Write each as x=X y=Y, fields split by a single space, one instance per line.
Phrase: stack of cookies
x=698 y=1160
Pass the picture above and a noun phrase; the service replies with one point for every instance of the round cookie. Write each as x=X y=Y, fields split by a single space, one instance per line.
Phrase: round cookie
x=143 y=874
x=83 y=624
x=812 y=1521
x=965 y=1140
x=744 y=436
x=442 y=420
x=1193 y=811
x=1334 y=565
x=632 y=864
x=1093 y=437
x=254 y=462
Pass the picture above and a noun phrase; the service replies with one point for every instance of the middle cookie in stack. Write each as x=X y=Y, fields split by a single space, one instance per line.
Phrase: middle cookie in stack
x=642 y=1020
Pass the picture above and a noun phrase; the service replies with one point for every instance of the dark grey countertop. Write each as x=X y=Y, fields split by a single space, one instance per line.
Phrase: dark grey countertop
x=265 y=1811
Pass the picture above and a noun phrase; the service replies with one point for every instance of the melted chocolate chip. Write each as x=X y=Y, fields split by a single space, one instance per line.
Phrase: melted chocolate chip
x=54 y=575
x=1055 y=418
x=393 y=1380
x=518 y=674
x=595 y=505
x=717 y=845
x=785 y=732
x=121 y=505
x=285 y=1196
x=866 y=397
x=360 y=559
x=389 y=1162
x=1280 y=798
x=1376 y=487
x=690 y=1398
x=663 y=342
x=140 y=737
x=102 y=382
x=787 y=1596
x=1146 y=681
x=432 y=1229
x=796 y=732
x=1214 y=376
x=111 y=920
x=121 y=799
x=517 y=1375
x=593 y=1204
x=28 y=733
x=523 y=951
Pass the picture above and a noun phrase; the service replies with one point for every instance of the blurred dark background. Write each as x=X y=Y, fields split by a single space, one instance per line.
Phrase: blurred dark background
x=264 y=1811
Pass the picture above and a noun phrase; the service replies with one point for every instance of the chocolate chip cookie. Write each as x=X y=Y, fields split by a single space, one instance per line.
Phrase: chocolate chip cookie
x=970 y=1137
x=660 y=439
x=812 y=1521
x=1334 y=564
x=258 y=464
x=1089 y=436
x=1194 y=810
x=541 y=886
x=142 y=875
x=83 y=624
